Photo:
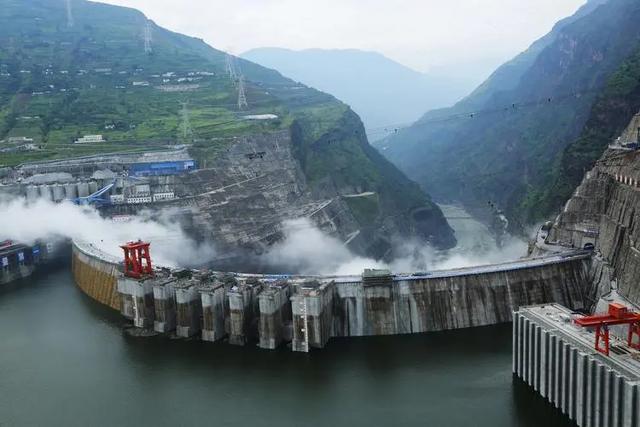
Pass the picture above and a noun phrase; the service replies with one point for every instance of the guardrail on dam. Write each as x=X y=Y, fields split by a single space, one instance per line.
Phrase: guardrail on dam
x=308 y=311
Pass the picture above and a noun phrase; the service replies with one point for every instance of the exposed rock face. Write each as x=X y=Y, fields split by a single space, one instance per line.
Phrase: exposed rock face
x=241 y=199
x=605 y=210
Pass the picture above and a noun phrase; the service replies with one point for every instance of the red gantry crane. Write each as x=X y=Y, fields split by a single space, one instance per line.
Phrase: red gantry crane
x=618 y=315
x=137 y=259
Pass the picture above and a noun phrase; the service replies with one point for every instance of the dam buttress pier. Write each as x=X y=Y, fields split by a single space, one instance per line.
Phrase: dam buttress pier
x=558 y=359
x=271 y=311
x=210 y=307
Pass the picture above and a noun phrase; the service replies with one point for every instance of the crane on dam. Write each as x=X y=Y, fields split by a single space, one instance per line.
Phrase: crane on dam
x=137 y=259
x=618 y=315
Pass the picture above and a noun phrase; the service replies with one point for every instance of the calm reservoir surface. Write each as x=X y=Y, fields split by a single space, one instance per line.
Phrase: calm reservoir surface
x=65 y=361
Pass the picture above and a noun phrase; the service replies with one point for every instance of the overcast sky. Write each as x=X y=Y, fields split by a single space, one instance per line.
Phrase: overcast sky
x=419 y=33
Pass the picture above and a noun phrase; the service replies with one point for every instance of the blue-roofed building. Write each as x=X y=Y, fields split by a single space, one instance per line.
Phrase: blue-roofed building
x=162 y=168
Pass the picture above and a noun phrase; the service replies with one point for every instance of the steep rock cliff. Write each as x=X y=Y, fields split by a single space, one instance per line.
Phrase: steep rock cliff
x=605 y=210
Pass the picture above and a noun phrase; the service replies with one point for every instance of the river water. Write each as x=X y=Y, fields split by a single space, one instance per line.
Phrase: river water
x=65 y=361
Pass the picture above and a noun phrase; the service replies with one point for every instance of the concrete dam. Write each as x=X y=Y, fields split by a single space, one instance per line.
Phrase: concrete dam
x=310 y=310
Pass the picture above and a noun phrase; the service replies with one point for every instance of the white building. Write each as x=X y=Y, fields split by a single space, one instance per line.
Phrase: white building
x=19 y=140
x=139 y=199
x=167 y=195
x=88 y=139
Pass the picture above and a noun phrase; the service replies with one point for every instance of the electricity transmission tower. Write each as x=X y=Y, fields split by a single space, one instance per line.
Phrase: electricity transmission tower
x=69 y=14
x=242 y=96
x=185 y=126
x=147 y=37
x=236 y=77
x=231 y=69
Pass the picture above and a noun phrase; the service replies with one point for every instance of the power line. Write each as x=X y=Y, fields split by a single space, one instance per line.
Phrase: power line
x=242 y=96
x=186 y=122
x=231 y=70
x=236 y=77
x=474 y=114
x=513 y=107
x=396 y=127
x=147 y=37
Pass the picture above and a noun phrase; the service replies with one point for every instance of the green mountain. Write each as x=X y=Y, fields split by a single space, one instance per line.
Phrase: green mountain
x=518 y=141
x=609 y=116
x=379 y=89
x=101 y=69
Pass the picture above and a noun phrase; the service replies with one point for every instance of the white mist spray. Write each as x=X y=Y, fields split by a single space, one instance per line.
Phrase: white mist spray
x=27 y=222
x=307 y=250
